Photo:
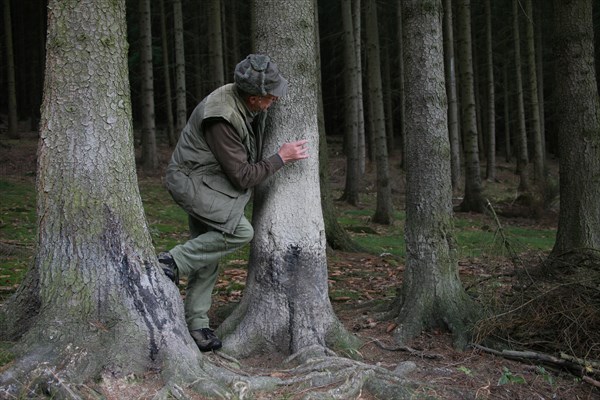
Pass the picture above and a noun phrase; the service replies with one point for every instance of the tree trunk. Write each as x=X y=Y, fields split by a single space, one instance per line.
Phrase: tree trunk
x=578 y=118
x=362 y=142
x=285 y=306
x=521 y=134
x=490 y=96
x=539 y=175
x=539 y=64
x=473 y=199
x=180 y=87
x=453 y=125
x=13 y=131
x=337 y=237
x=351 y=188
x=216 y=72
x=508 y=154
x=384 y=210
x=98 y=301
x=171 y=136
x=149 y=155
x=401 y=95
x=432 y=294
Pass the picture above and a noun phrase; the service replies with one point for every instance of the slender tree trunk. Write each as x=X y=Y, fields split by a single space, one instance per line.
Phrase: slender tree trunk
x=351 y=188
x=521 y=134
x=507 y=115
x=215 y=45
x=539 y=63
x=286 y=307
x=149 y=155
x=180 y=87
x=387 y=100
x=578 y=117
x=384 y=210
x=171 y=136
x=536 y=129
x=337 y=237
x=473 y=199
x=490 y=96
x=400 y=78
x=13 y=131
x=360 y=108
x=453 y=125
x=432 y=295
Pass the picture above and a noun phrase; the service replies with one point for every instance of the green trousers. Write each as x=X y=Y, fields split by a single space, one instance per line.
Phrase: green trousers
x=198 y=260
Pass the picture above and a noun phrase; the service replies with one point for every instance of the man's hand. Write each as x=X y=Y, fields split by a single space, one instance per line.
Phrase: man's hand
x=293 y=151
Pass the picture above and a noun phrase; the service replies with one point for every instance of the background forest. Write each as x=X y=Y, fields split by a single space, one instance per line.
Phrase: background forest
x=503 y=94
x=216 y=35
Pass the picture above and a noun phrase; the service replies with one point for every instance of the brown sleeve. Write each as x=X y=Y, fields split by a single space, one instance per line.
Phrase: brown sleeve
x=230 y=152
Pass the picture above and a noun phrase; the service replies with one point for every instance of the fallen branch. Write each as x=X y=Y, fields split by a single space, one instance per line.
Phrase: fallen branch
x=573 y=367
x=584 y=363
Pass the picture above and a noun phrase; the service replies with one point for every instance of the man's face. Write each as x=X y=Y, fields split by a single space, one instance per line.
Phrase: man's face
x=261 y=103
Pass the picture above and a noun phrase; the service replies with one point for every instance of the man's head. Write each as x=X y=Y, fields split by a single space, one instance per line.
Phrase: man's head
x=260 y=80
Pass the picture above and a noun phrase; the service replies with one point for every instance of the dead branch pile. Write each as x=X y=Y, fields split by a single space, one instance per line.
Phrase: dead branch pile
x=553 y=309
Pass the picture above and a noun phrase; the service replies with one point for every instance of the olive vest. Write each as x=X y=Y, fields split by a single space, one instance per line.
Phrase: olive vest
x=195 y=178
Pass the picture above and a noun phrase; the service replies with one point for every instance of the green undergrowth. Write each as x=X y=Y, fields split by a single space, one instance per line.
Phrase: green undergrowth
x=476 y=235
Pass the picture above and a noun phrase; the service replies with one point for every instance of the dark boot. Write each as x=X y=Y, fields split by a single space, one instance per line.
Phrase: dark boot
x=205 y=339
x=165 y=259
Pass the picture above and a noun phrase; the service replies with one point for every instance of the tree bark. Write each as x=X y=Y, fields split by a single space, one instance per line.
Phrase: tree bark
x=578 y=118
x=401 y=95
x=473 y=199
x=149 y=155
x=432 y=294
x=285 y=307
x=98 y=302
x=383 y=209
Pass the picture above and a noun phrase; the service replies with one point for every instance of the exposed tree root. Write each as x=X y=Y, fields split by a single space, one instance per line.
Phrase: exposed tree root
x=322 y=377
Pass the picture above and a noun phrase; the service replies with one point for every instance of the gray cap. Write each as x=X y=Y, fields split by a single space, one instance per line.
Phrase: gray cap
x=257 y=75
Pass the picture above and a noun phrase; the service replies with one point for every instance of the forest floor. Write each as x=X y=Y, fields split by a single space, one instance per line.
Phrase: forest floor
x=439 y=370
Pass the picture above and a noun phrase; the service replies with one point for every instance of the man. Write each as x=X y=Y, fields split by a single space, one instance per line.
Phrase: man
x=211 y=174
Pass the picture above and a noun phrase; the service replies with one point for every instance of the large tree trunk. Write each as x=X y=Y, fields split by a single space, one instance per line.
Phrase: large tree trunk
x=578 y=117
x=383 y=209
x=351 y=188
x=432 y=295
x=149 y=155
x=473 y=199
x=98 y=302
x=285 y=306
